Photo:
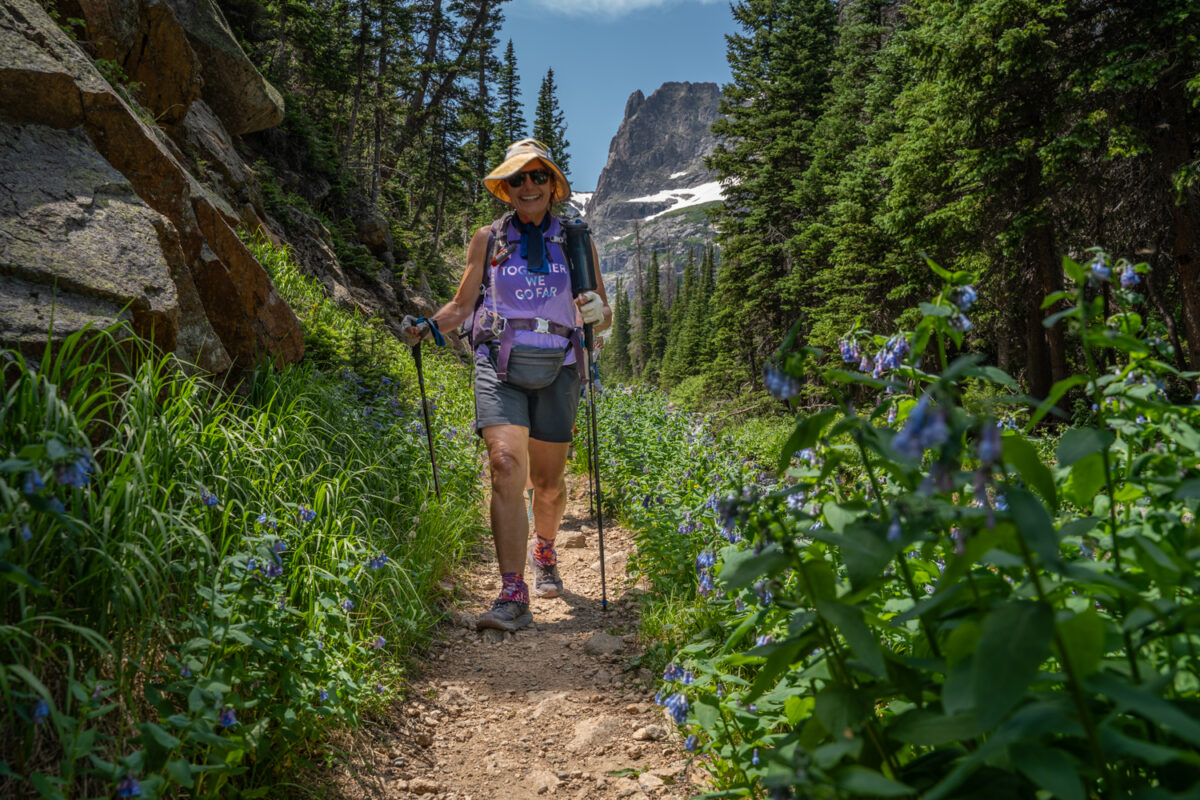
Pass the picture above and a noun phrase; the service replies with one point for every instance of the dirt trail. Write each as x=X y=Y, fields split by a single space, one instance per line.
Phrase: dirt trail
x=554 y=710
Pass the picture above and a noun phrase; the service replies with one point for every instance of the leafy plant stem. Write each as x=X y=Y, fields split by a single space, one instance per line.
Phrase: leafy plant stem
x=1077 y=694
x=1098 y=400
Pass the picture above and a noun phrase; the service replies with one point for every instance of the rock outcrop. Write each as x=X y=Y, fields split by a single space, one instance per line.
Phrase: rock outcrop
x=655 y=174
x=122 y=185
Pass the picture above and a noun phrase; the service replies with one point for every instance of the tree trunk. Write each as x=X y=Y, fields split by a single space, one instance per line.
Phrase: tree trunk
x=361 y=59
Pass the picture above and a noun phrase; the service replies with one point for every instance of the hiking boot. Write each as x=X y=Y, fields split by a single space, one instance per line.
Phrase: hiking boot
x=546 y=582
x=505 y=615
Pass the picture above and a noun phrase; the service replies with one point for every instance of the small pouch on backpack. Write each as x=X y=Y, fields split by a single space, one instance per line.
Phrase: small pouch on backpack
x=533 y=367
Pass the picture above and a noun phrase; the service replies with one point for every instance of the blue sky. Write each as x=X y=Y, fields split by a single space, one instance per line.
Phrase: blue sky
x=602 y=50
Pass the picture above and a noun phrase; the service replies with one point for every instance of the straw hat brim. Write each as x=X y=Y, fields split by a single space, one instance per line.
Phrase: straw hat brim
x=496 y=184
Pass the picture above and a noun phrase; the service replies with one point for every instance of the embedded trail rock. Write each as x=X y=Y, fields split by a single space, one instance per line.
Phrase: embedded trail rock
x=554 y=710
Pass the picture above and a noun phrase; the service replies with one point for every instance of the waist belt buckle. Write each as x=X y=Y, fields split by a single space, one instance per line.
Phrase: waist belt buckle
x=542 y=325
x=496 y=324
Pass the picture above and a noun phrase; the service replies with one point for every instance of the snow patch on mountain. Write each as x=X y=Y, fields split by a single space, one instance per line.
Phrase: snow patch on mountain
x=580 y=200
x=682 y=198
x=675 y=175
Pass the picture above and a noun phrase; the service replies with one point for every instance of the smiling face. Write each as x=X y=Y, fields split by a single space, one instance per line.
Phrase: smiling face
x=529 y=199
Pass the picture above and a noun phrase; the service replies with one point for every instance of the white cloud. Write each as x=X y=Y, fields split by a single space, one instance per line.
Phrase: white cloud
x=608 y=8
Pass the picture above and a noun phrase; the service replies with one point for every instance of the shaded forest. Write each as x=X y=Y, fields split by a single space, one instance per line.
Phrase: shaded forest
x=861 y=137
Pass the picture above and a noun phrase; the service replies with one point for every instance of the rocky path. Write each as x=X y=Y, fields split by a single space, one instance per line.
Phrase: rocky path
x=555 y=710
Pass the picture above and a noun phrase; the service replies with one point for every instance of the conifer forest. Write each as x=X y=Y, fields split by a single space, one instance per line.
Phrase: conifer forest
x=906 y=455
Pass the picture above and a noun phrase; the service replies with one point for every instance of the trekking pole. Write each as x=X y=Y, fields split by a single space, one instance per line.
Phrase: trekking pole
x=591 y=466
x=594 y=459
x=581 y=259
x=416 y=352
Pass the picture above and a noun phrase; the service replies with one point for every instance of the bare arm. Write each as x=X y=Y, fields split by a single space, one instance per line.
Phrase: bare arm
x=460 y=307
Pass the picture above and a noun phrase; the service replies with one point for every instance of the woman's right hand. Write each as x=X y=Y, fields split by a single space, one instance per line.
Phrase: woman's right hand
x=412 y=330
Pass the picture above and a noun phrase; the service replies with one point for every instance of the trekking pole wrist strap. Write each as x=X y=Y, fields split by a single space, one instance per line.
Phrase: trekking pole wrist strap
x=438 y=338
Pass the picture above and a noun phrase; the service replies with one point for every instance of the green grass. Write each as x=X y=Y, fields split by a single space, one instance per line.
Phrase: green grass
x=144 y=514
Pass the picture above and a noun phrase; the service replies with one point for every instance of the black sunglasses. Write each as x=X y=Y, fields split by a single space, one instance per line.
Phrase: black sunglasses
x=539 y=176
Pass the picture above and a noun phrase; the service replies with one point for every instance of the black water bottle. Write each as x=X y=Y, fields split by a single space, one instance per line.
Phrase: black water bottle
x=579 y=257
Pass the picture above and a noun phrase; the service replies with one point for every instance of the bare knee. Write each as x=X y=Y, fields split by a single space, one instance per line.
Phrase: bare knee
x=507 y=470
x=550 y=486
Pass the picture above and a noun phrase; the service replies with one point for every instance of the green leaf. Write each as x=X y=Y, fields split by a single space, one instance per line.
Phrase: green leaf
x=807 y=432
x=1087 y=478
x=1014 y=643
x=159 y=736
x=1051 y=401
x=1034 y=525
x=930 y=310
x=849 y=622
x=1083 y=637
x=795 y=708
x=944 y=274
x=993 y=375
x=840 y=709
x=1079 y=443
x=1148 y=705
x=707 y=713
x=868 y=783
x=923 y=728
x=1022 y=456
x=180 y=772
x=1050 y=768
x=744 y=567
x=777 y=663
x=840 y=516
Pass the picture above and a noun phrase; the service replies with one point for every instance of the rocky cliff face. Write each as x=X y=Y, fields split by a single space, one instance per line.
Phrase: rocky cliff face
x=121 y=202
x=655 y=174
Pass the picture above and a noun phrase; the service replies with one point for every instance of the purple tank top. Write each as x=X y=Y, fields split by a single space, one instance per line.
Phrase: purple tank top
x=515 y=293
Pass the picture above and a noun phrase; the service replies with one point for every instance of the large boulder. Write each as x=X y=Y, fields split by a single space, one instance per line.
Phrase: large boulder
x=77 y=245
x=45 y=79
x=233 y=87
x=146 y=41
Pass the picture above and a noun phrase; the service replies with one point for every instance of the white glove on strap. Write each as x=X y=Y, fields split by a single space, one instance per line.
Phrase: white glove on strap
x=592 y=310
x=412 y=331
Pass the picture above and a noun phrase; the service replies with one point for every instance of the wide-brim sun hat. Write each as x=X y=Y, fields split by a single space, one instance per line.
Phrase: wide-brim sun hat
x=518 y=155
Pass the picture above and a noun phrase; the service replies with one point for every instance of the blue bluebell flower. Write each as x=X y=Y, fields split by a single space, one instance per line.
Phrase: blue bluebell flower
x=894 y=531
x=907 y=442
x=1100 y=269
x=1129 y=277
x=779 y=384
x=378 y=643
x=866 y=364
x=40 y=712
x=677 y=705
x=754 y=757
x=306 y=514
x=720 y=690
x=706 y=559
x=322 y=695
x=266 y=521
x=33 y=482
x=764 y=640
x=207 y=499
x=989 y=445
x=278 y=547
x=251 y=565
x=379 y=688
x=272 y=570
x=55 y=505
x=688 y=677
x=689 y=743
x=227 y=718
x=963 y=297
x=26 y=533
x=706 y=586
x=379 y=561
x=74 y=474
x=129 y=787
x=348 y=604
x=1001 y=503
x=185 y=671
x=960 y=323
x=98 y=692
x=764 y=593
x=739 y=605
x=673 y=672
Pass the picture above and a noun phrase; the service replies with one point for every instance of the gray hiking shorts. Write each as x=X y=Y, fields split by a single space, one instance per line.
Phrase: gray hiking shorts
x=548 y=413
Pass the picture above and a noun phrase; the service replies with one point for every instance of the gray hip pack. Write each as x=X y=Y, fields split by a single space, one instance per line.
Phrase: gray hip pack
x=530 y=367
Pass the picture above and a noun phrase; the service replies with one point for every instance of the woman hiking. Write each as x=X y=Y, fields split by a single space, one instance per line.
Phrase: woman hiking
x=528 y=366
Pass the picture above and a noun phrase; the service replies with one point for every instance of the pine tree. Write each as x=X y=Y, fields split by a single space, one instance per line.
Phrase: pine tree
x=616 y=361
x=675 y=367
x=550 y=124
x=509 y=118
x=780 y=64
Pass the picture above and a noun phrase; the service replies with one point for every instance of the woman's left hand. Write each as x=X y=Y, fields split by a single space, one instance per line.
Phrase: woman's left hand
x=591 y=308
